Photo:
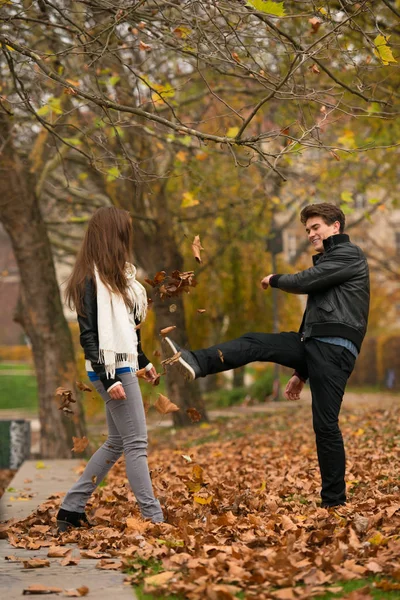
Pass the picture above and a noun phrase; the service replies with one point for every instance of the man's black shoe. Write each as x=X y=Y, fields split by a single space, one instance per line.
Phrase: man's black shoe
x=187 y=364
x=67 y=519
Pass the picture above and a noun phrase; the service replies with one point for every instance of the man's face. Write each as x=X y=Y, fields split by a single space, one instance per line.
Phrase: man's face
x=318 y=231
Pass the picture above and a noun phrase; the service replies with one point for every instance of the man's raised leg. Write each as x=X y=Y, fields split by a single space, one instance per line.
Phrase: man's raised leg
x=286 y=349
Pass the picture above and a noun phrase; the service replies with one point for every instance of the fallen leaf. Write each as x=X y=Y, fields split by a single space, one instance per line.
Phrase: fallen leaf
x=144 y=46
x=315 y=24
x=196 y=248
x=109 y=565
x=163 y=405
x=172 y=360
x=83 y=387
x=167 y=330
x=57 y=551
x=137 y=524
x=159 y=579
x=193 y=415
x=221 y=356
x=202 y=499
x=36 y=563
x=80 y=444
x=41 y=589
x=201 y=310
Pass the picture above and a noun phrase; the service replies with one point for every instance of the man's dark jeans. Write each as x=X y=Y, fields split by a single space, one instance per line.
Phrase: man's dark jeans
x=328 y=368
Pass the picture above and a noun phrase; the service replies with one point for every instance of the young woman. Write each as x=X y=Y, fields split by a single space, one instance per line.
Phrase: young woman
x=110 y=304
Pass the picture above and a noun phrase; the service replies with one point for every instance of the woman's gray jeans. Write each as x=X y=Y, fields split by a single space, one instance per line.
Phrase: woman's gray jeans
x=127 y=433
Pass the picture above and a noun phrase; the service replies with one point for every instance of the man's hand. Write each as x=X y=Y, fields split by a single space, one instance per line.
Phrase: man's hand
x=293 y=388
x=117 y=393
x=265 y=281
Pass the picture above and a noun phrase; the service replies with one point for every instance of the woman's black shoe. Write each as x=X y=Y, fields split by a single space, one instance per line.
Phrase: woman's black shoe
x=67 y=519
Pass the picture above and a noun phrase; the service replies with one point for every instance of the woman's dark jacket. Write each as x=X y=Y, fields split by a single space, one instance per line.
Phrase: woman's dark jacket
x=338 y=291
x=89 y=336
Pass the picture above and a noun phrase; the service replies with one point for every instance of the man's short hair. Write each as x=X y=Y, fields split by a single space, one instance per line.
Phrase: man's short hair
x=328 y=212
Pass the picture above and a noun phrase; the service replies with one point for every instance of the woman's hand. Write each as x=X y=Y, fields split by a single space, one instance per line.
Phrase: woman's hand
x=151 y=376
x=117 y=393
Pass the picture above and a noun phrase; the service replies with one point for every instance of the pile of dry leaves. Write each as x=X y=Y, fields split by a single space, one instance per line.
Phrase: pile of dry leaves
x=241 y=498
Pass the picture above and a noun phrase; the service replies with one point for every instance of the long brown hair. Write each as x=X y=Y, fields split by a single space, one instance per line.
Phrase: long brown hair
x=107 y=246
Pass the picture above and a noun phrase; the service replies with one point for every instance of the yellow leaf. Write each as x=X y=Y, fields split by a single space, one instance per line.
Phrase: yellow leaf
x=189 y=200
x=197 y=473
x=181 y=155
x=359 y=432
x=263 y=487
x=347 y=139
x=232 y=132
x=268 y=7
x=382 y=50
x=202 y=500
x=40 y=465
x=193 y=486
x=377 y=539
x=43 y=111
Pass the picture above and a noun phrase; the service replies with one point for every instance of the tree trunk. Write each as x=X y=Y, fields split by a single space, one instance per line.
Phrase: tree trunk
x=156 y=250
x=41 y=313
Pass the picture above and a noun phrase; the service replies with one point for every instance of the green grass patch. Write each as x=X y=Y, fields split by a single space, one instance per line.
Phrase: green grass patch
x=19 y=392
x=350 y=586
x=141 y=569
x=259 y=390
x=16 y=366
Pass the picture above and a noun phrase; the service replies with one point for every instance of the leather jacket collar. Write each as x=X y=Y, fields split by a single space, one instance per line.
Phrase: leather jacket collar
x=331 y=242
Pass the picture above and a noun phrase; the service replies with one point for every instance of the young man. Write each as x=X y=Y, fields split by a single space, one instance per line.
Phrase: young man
x=325 y=348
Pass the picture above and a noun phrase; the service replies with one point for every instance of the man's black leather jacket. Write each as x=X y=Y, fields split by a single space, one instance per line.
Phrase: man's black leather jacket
x=338 y=291
x=89 y=336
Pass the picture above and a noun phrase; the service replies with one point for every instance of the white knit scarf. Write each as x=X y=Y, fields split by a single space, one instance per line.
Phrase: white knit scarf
x=117 y=338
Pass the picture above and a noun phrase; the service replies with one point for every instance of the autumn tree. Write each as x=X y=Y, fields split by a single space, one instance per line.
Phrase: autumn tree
x=257 y=81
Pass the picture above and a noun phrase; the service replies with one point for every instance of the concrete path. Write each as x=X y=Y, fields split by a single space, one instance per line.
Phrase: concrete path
x=56 y=476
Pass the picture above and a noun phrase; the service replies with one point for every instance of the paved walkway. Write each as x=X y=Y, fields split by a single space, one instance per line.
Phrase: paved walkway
x=56 y=476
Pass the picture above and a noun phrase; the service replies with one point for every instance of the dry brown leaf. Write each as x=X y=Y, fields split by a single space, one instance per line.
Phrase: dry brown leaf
x=137 y=524
x=144 y=46
x=201 y=310
x=80 y=444
x=36 y=563
x=83 y=387
x=193 y=415
x=69 y=560
x=314 y=69
x=221 y=356
x=172 y=360
x=315 y=24
x=156 y=380
x=167 y=330
x=196 y=248
x=41 y=589
x=66 y=398
x=159 y=579
x=78 y=593
x=163 y=405
x=109 y=565
x=58 y=551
